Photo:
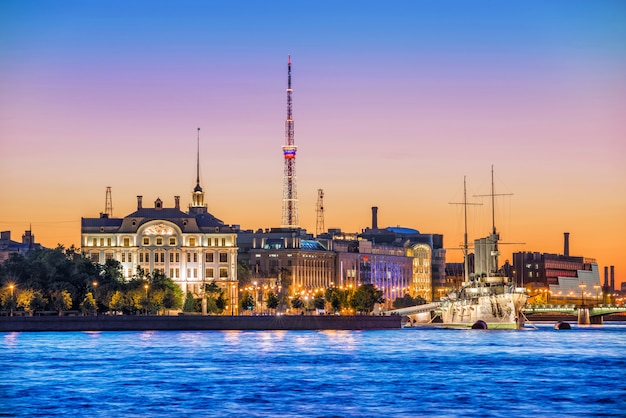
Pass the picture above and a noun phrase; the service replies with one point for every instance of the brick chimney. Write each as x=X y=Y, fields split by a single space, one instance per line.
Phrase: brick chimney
x=139 y=205
x=177 y=202
x=374 y=217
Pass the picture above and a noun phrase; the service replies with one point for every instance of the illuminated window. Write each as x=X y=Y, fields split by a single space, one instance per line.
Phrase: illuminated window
x=126 y=242
x=123 y=257
x=223 y=242
x=146 y=241
x=172 y=241
x=130 y=258
x=108 y=256
x=209 y=242
x=109 y=242
x=223 y=273
x=95 y=242
x=102 y=242
x=192 y=242
x=159 y=241
x=209 y=273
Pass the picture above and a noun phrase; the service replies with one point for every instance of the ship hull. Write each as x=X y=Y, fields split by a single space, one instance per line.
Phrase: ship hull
x=492 y=311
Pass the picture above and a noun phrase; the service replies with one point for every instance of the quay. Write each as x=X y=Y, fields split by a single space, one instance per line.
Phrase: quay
x=196 y=322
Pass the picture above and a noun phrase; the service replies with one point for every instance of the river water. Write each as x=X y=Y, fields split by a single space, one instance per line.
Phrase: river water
x=393 y=373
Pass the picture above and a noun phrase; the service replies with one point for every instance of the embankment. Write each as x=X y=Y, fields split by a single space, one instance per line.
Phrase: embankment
x=180 y=323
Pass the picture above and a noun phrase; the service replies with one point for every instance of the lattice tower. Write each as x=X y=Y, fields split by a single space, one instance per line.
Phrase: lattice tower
x=290 y=194
x=319 y=225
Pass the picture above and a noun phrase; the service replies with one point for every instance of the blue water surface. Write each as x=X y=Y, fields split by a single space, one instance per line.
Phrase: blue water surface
x=394 y=373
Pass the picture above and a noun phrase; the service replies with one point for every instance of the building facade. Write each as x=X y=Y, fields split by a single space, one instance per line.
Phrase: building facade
x=193 y=248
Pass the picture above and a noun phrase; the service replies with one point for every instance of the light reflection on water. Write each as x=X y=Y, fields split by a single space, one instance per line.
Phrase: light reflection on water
x=411 y=372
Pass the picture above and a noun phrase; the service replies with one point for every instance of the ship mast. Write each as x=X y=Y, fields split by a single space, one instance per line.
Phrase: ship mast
x=465 y=241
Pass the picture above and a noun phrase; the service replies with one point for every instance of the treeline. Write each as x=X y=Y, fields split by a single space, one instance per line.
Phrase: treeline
x=63 y=280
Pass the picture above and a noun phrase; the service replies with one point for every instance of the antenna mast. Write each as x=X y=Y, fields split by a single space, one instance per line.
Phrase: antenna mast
x=290 y=195
x=319 y=225
x=465 y=244
x=494 y=237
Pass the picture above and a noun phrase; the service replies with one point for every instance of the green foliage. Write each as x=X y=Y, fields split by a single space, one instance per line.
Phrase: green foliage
x=365 y=297
x=189 y=305
x=297 y=303
x=272 y=301
x=247 y=302
x=407 y=301
x=31 y=301
x=319 y=302
x=88 y=305
x=61 y=300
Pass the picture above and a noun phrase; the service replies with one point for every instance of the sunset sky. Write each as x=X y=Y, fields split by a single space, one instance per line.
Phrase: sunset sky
x=394 y=103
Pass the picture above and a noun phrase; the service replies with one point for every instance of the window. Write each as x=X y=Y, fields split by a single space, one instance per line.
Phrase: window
x=209 y=242
x=95 y=242
x=192 y=242
x=146 y=241
x=172 y=241
x=171 y=258
x=189 y=257
x=130 y=258
x=178 y=257
x=126 y=242
x=129 y=273
x=177 y=271
x=159 y=241
x=141 y=257
x=108 y=242
x=195 y=273
x=123 y=257
x=208 y=273
x=223 y=242
x=95 y=257
x=223 y=258
x=102 y=242
x=195 y=257
x=223 y=272
x=208 y=257
x=171 y=273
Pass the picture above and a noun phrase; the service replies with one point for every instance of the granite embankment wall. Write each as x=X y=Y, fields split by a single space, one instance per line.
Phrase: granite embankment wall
x=173 y=323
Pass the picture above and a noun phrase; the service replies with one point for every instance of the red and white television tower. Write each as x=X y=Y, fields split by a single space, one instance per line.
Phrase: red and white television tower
x=290 y=194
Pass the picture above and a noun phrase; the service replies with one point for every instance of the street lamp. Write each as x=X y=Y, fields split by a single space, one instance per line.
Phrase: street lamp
x=582 y=293
x=145 y=286
x=597 y=287
x=11 y=286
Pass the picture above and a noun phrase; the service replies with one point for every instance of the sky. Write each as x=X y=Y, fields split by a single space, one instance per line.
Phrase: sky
x=395 y=103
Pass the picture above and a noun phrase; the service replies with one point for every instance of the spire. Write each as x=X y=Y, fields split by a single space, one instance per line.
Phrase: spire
x=197 y=197
x=198 y=188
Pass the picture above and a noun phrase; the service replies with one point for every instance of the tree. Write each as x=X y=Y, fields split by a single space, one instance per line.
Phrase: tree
x=31 y=300
x=407 y=300
x=319 y=302
x=297 y=303
x=189 y=305
x=61 y=300
x=247 y=302
x=122 y=302
x=272 y=301
x=88 y=305
x=365 y=297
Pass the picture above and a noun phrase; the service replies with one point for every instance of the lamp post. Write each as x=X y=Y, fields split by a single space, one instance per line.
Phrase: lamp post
x=95 y=297
x=597 y=287
x=145 y=286
x=582 y=293
x=11 y=286
x=232 y=297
